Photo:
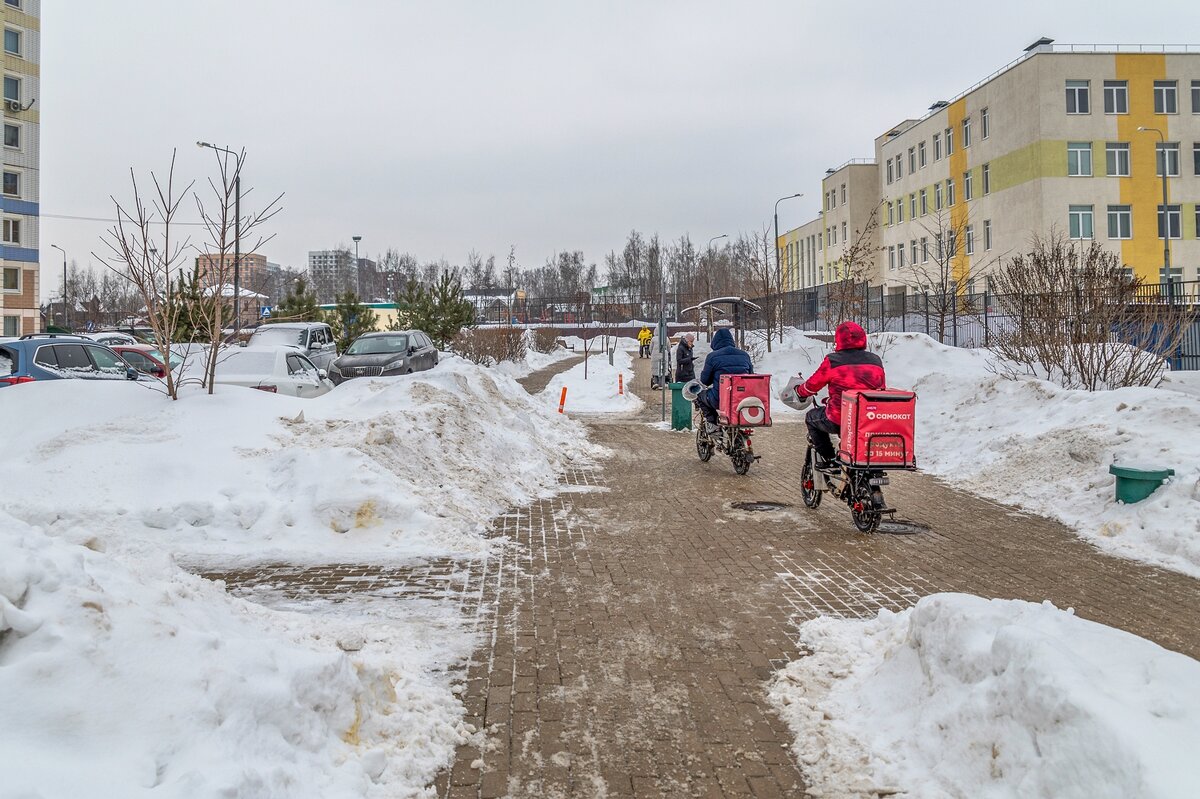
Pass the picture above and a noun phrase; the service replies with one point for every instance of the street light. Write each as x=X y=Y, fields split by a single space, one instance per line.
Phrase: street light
x=777 y=202
x=64 y=252
x=237 y=235
x=726 y=235
x=1166 y=217
x=357 y=268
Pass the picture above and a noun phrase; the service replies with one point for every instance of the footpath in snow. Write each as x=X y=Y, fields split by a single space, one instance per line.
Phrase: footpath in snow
x=121 y=674
x=1030 y=443
x=963 y=696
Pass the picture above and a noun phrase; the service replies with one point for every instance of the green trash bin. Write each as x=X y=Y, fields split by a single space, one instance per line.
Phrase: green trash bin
x=681 y=409
x=1134 y=485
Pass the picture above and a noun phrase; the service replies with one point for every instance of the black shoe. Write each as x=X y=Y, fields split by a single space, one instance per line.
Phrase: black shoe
x=827 y=464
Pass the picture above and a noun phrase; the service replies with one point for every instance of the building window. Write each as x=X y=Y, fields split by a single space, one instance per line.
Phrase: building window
x=12 y=279
x=900 y=255
x=912 y=253
x=1170 y=153
x=1120 y=222
x=970 y=231
x=892 y=258
x=1077 y=97
x=12 y=231
x=1116 y=97
x=12 y=89
x=968 y=186
x=1196 y=163
x=950 y=191
x=966 y=129
x=937 y=147
x=12 y=135
x=937 y=196
x=1116 y=159
x=912 y=206
x=912 y=160
x=924 y=249
x=843 y=194
x=845 y=237
x=12 y=41
x=938 y=243
x=889 y=171
x=900 y=210
x=899 y=167
x=1164 y=97
x=924 y=203
x=1079 y=158
x=12 y=325
x=952 y=243
x=949 y=141
x=12 y=184
x=921 y=154
x=13 y=3
x=985 y=123
x=1173 y=220
x=987 y=234
x=833 y=233
x=1196 y=97
x=987 y=178
x=891 y=215
x=1080 y=221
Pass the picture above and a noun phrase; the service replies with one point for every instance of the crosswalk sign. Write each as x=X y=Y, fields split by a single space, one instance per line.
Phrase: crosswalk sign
x=264 y=312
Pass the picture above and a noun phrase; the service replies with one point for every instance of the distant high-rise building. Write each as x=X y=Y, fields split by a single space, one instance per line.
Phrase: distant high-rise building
x=216 y=269
x=332 y=273
x=20 y=279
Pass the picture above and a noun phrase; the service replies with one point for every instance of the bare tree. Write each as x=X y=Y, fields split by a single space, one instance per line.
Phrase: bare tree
x=846 y=297
x=942 y=267
x=1076 y=317
x=142 y=248
x=227 y=232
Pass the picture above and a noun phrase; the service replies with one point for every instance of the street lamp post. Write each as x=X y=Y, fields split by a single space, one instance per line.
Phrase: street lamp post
x=64 y=295
x=237 y=235
x=1166 y=216
x=357 y=268
x=777 y=202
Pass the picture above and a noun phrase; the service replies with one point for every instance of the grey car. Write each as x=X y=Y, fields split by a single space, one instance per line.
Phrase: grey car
x=397 y=352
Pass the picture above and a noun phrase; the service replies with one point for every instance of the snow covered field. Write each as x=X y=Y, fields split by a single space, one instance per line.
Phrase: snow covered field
x=1033 y=444
x=599 y=392
x=961 y=696
x=123 y=675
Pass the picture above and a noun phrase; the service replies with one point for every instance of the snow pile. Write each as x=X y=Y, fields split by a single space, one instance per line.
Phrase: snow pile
x=388 y=467
x=532 y=362
x=141 y=680
x=1031 y=443
x=962 y=696
x=599 y=392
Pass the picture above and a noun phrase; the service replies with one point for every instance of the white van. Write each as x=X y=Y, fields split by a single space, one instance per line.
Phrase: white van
x=315 y=339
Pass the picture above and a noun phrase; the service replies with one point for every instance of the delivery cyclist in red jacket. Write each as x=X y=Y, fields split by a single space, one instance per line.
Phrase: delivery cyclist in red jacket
x=849 y=367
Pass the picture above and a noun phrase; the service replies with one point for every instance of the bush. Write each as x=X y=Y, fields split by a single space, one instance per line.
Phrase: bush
x=545 y=339
x=489 y=346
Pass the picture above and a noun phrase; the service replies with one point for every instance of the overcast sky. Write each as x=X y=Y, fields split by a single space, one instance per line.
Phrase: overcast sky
x=442 y=127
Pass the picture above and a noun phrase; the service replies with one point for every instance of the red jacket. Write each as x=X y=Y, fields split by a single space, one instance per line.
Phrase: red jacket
x=850 y=367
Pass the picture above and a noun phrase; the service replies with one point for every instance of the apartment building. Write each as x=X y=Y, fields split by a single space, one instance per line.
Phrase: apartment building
x=815 y=252
x=1073 y=139
x=20 y=278
x=215 y=269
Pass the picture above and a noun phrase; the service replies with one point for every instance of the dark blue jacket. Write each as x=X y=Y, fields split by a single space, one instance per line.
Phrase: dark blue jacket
x=725 y=359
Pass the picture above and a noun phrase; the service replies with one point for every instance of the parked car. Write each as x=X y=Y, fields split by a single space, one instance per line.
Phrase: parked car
x=57 y=357
x=279 y=370
x=146 y=359
x=315 y=339
x=111 y=337
x=141 y=335
x=390 y=353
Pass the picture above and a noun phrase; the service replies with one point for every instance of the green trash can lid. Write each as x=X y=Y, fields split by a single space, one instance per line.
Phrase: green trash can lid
x=1140 y=473
x=676 y=386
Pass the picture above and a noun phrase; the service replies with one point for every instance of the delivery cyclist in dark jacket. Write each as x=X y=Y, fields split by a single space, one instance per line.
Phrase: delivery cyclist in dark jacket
x=725 y=359
x=685 y=359
x=849 y=367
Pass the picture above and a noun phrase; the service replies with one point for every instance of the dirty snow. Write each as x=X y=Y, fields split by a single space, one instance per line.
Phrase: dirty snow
x=963 y=696
x=598 y=393
x=1033 y=444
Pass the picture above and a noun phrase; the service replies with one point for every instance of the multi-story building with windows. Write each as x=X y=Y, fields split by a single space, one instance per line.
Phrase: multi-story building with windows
x=332 y=272
x=215 y=269
x=1066 y=139
x=816 y=252
x=20 y=280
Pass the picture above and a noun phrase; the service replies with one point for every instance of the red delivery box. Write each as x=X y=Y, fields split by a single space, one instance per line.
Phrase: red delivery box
x=744 y=400
x=878 y=428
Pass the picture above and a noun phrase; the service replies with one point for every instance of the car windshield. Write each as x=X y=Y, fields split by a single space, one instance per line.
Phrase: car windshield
x=378 y=345
x=276 y=336
x=247 y=363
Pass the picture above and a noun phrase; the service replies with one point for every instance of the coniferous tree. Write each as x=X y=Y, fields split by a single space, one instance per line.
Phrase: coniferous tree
x=449 y=311
x=300 y=305
x=413 y=309
x=193 y=307
x=350 y=319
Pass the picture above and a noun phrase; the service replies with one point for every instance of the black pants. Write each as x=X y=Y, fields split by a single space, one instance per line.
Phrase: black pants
x=710 y=413
x=819 y=428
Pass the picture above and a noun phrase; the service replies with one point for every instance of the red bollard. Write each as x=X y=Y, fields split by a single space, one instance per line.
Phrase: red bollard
x=620 y=384
x=562 y=399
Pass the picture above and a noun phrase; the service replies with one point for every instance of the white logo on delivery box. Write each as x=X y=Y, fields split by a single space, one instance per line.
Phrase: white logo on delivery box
x=874 y=415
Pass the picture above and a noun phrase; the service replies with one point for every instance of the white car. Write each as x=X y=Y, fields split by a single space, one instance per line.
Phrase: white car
x=110 y=337
x=279 y=370
x=315 y=339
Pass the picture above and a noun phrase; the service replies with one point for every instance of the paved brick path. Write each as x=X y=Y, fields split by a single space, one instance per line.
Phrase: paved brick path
x=635 y=628
x=629 y=621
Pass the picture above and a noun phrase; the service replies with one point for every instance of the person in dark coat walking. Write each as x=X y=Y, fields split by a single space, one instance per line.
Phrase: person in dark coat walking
x=849 y=367
x=725 y=359
x=685 y=359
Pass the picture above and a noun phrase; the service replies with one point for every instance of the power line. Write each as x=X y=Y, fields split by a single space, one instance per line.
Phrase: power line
x=73 y=218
